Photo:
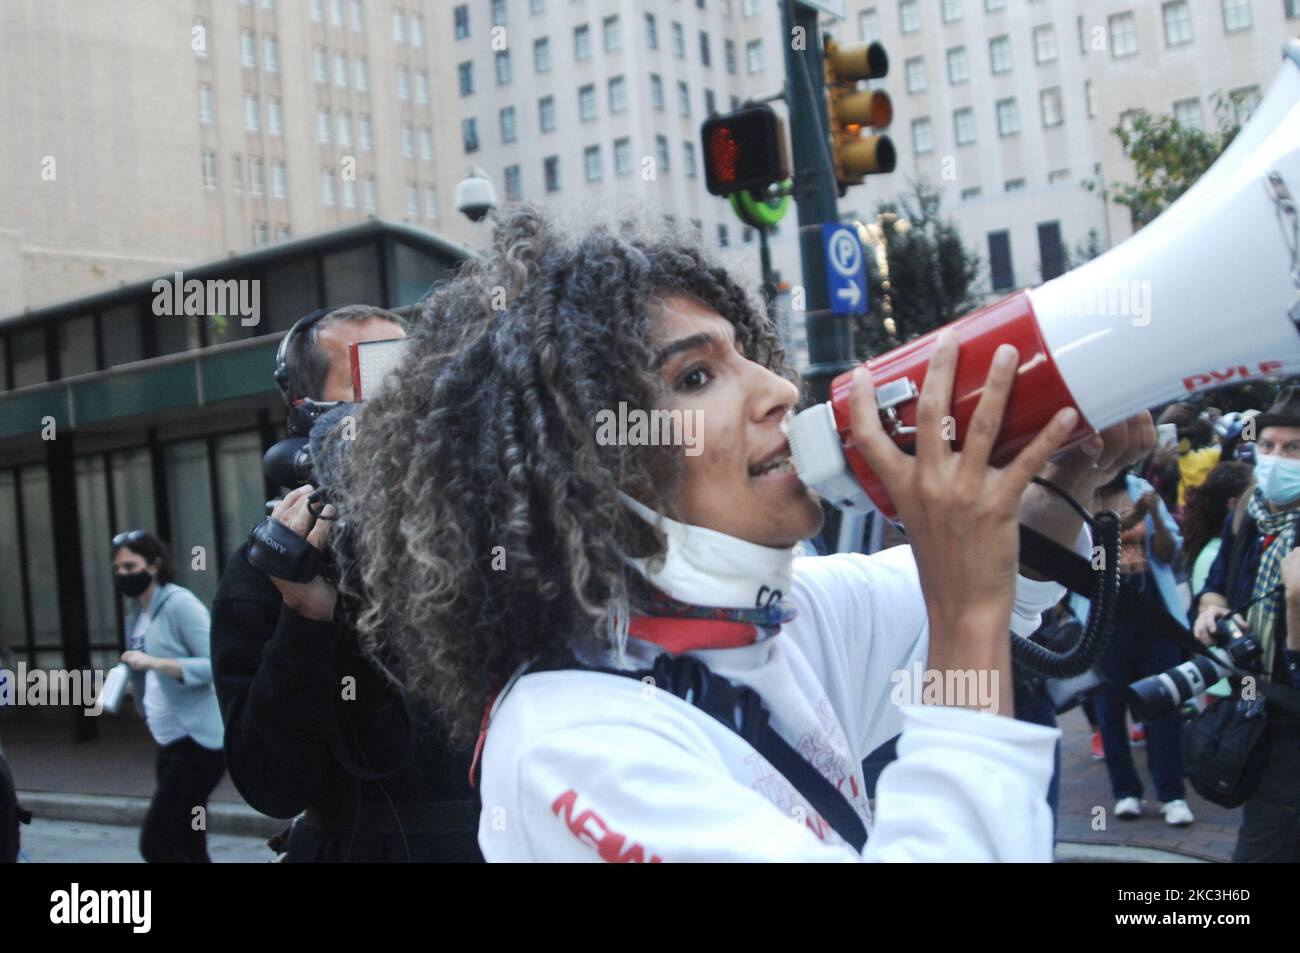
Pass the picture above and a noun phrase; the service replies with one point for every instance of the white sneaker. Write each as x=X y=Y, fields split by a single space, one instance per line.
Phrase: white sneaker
x=1177 y=813
x=1129 y=808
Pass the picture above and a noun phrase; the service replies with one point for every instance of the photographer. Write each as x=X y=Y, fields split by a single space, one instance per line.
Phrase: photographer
x=312 y=722
x=1252 y=560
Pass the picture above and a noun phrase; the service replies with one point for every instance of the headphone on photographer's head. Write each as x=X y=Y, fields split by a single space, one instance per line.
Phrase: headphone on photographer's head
x=300 y=411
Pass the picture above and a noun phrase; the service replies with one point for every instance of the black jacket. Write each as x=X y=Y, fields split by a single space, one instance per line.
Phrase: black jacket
x=313 y=724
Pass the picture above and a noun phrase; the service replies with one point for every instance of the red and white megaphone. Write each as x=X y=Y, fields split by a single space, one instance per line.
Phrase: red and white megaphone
x=1206 y=295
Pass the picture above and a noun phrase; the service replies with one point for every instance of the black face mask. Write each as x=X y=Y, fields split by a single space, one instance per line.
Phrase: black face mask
x=133 y=583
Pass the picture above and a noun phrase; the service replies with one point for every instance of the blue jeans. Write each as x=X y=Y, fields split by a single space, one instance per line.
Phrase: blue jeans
x=1134 y=654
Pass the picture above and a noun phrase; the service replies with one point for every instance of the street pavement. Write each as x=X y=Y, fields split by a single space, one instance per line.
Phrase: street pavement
x=76 y=842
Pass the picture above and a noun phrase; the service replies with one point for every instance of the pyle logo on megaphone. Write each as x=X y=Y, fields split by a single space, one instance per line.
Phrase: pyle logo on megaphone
x=1220 y=271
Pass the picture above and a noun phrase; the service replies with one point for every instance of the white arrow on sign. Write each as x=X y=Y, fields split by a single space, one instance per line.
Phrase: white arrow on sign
x=852 y=293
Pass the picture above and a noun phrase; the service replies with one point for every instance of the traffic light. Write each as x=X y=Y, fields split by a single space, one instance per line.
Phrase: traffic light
x=851 y=109
x=743 y=150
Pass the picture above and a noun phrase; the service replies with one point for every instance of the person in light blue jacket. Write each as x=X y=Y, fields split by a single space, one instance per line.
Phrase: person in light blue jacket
x=171 y=680
x=1150 y=542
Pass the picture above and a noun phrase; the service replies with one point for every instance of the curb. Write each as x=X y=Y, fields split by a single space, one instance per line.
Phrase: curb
x=223 y=816
x=1077 y=852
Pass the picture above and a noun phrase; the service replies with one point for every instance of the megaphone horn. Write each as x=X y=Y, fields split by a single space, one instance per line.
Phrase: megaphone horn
x=1208 y=294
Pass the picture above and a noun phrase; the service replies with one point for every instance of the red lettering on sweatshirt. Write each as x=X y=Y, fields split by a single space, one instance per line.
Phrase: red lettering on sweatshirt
x=590 y=828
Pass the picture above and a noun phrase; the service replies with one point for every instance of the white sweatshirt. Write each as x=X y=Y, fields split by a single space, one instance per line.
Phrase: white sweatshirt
x=586 y=766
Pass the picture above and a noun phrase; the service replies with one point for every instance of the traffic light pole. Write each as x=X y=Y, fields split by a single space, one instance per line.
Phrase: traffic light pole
x=816 y=195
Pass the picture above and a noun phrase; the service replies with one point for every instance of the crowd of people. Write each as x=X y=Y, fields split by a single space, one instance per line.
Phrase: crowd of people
x=542 y=646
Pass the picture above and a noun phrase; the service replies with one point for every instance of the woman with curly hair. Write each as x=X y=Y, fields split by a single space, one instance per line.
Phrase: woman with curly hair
x=518 y=558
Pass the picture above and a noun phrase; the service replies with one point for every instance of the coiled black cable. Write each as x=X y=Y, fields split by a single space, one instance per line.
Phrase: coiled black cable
x=1085 y=653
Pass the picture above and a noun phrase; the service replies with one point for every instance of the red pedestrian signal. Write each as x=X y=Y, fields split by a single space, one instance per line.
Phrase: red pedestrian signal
x=744 y=150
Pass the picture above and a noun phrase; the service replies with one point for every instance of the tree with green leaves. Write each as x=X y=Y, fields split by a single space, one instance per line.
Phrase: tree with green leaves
x=931 y=274
x=1167 y=157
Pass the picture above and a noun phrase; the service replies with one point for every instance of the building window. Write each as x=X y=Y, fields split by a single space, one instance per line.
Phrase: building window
x=430 y=202
x=251 y=114
x=279 y=181
x=367 y=137
x=1013 y=185
x=1045 y=43
x=971 y=193
x=542 y=54
x=317 y=10
x=340 y=70
x=586 y=103
x=399 y=26
x=754 y=56
x=259 y=234
x=869 y=25
x=205 y=104
x=922 y=136
x=617 y=94
x=683 y=99
x=623 y=156
x=729 y=54
x=914 y=70
x=465 y=77
x=349 y=192
x=993 y=6
x=1051 y=252
x=723 y=239
x=705 y=59
x=408 y=141
x=412 y=200
x=274 y=118
x=504 y=70
x=469 y=134
x=336 y=12
x=1291 y=8
x=551 y=173
x=963 y=122
x=509 y=125
x=362 y=70
x=417 y=31
x=958 y=66
x=710 y=103
x=679 y=40
x=460 y=16
x=248 y=49
x=498 y=12
x=591 y=163
x=546 y=113
x=1008 y=117
x=749 y=8
x=368 y=193
x=281 y=232
x=357 y=16
x=323 y=130
x=320 y=64
x=688 y=156
x=1051 y=103
x=514 y=188
x=271 y=54
x=582 y=42
x=613 y=34
x=209 y=169
x=1000 y=274
x=661 y=152
x=345 y=130
x=657 y=91
x=951 y=10
x=1057 y=176
x=421 y=87
x=1000 y=54
x=1178 y=23
x=1244 y=103
x=327 y=194
x=1188 y=114
x=1236 y=15
x=909 y=15
x=426 y=144
x=1123 y=35
x=651 y=32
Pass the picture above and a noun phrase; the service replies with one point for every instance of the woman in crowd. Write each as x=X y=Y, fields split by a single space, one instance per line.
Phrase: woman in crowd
x=1208 y=506
x=514 y=544
x=171 y=680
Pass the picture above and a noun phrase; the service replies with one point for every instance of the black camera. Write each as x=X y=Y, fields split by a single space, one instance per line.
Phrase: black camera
x=1159 y=694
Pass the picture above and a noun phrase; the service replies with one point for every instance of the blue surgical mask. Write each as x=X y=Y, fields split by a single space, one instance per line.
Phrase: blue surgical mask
x=1278 y=478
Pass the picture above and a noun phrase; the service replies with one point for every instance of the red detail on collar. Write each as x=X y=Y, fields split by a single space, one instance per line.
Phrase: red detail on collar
x=685 y=635
x=482 y=739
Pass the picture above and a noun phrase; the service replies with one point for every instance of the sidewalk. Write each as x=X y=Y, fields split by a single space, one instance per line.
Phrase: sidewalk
x=110 y=780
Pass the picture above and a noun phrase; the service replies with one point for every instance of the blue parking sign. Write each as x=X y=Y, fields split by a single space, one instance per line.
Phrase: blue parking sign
x=846 y=269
